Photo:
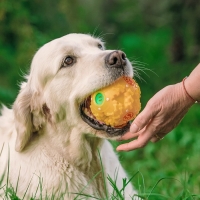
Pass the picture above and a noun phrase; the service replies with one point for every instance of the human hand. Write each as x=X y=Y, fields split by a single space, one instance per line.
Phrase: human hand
x=162 y=113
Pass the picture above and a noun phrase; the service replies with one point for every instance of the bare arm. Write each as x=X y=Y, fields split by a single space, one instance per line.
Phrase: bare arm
x=192 y=83
x=163 y=112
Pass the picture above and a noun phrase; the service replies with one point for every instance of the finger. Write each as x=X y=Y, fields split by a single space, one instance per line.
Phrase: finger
x=127 y=146
x=143 y=118
x=142 y=140
x=144 y=137
x=129 y=135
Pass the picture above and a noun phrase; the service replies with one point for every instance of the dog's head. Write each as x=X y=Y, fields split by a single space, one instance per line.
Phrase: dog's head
x=64 y=73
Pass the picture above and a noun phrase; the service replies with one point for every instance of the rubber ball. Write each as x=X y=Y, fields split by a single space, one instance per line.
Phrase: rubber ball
x=117 y=103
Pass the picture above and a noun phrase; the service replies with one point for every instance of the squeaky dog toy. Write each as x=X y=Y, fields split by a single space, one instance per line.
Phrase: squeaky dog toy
x=118 y=103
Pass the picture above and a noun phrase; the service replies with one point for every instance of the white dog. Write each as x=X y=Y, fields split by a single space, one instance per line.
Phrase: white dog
x=49 y=141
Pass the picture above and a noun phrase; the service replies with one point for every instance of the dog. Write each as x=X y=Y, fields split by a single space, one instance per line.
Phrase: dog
x=50 y=144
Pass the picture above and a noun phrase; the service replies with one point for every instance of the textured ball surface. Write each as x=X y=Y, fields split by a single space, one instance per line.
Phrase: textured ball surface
x=118 y=103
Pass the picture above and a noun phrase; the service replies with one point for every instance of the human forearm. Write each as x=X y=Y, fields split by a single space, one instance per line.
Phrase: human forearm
x=192 y=84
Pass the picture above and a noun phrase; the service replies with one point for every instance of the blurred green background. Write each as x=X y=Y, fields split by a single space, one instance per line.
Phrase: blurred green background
x=161 y=37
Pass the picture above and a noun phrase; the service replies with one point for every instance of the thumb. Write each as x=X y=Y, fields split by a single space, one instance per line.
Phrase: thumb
x=143 y=118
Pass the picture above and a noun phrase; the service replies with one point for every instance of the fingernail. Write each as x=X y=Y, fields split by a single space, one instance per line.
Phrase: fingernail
x=134 y=128
x=118 y=149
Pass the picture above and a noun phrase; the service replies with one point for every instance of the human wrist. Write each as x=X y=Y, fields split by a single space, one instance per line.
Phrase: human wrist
x=183 y=97
x=192 y=87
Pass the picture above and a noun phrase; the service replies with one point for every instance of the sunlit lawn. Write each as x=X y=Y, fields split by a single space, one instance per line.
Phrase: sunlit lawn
x=171 y=165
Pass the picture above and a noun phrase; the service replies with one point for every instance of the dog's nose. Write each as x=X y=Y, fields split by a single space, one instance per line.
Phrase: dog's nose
x=116 y=59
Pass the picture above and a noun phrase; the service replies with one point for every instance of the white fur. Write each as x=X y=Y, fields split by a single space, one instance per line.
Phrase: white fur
x=51 y=150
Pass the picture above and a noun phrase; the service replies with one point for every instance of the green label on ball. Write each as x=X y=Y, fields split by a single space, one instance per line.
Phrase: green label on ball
x=99 y=98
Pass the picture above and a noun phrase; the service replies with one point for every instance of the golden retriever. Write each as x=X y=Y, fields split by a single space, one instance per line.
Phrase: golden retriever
x=50 y=144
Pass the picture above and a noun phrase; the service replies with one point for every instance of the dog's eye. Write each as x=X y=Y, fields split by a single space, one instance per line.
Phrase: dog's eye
x=100 y=46
x=68 y=61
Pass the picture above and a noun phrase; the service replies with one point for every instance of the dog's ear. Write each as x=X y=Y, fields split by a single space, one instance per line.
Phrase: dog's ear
x=23 y=118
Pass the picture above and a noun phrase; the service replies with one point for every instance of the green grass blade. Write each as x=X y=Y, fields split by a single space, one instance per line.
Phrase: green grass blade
x=8 y=171
x=169 y=178
x=81 y=194
x=103 y=172
x=27 y=189
x=114 y=186
x=17 y=180
x=2 y=149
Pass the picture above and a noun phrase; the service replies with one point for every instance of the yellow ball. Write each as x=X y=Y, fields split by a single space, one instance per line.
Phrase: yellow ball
x=118 y=103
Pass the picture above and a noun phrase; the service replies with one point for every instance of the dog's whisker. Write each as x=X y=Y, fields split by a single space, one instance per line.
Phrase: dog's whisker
x=140 y=68
x=95 y=30
x=138 y=76
x=102 y=35
x=138 y=63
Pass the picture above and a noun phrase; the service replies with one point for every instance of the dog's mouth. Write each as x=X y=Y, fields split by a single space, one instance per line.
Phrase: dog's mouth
x=90 y=119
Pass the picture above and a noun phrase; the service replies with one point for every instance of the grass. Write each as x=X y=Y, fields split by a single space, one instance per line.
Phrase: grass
x=146 y=194
x=8 y=192
x=168 y=170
